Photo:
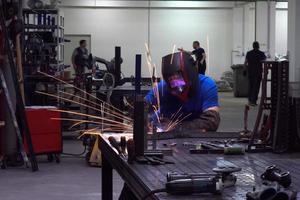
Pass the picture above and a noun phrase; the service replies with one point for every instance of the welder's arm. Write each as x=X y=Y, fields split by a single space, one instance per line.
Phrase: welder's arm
x=209 y=120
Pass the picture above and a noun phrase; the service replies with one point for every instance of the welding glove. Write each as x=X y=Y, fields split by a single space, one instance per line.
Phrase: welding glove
x=208 y=121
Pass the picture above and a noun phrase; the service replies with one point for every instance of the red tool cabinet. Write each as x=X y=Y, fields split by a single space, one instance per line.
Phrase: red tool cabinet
x=45 y=131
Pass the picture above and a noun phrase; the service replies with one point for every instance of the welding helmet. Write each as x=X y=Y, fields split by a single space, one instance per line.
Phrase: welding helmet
x=180 y=74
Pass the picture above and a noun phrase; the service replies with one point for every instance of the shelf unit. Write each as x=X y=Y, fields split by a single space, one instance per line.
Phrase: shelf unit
x=43 y=47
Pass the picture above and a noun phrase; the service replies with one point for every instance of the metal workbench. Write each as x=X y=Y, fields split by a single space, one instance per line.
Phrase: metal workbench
x=142 y=179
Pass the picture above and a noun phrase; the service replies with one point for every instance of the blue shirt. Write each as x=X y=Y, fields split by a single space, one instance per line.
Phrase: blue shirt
x=206 y=97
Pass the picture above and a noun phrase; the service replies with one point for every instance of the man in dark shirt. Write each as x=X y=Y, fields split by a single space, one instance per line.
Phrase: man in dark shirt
x=79 y=61
x=80 y=57
x=200 y=56
x=253 y=63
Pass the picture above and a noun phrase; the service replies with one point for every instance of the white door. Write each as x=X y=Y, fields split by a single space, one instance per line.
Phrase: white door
x=70 y=46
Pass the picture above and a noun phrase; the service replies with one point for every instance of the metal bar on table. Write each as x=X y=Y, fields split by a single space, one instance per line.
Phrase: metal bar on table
x=192 y=134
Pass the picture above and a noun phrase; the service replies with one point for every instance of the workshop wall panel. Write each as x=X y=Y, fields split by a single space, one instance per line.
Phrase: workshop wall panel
x=181 y=27
x=109 y=28
x=281 y=32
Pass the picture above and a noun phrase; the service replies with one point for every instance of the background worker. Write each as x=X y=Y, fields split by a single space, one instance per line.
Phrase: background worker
x=186 y=93
x=80 y=61
x=200 y=56
x=253 y=63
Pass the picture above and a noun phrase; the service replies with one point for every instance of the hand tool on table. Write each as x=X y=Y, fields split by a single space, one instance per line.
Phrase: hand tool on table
x=274 y=174
x=153 y=158
x=222 y=172
x=271 y=191
x=216 y=147
x=190 y=186
x=226 y=174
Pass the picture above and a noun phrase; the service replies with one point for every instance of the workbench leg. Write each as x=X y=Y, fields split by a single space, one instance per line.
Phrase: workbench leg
x=107 y=178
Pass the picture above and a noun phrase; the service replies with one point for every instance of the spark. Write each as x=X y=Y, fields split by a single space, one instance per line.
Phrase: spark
x=91 y=116
x=174 y=46
x=90 y=121
x=84 y=92
x=175 y=124
x=174 y=115
x=70 y=94
x=76 y=102
x=156 y=113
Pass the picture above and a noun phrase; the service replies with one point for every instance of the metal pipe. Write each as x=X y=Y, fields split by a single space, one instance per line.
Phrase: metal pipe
x=147 y=7
x=255 y=21
x=149 y=19
x=138 y=71
x=269 y=27
x=117 y=65
x=243 y=30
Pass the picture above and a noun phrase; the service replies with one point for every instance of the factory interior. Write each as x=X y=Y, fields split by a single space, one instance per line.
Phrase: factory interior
x=149 y=100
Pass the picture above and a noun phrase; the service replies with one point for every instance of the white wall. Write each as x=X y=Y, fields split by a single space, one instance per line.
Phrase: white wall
x=281 y=34
x=109 y=28
x=182 y=27
x=243 y=31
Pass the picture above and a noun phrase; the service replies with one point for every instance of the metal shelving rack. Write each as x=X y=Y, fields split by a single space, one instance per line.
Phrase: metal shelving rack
x=43 y=31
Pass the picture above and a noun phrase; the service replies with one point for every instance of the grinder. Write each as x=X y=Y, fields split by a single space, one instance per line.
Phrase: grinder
x=197 y=185
x=171 y=176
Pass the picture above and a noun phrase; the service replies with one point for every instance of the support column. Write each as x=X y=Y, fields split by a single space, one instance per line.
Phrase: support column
x=294 y=39
x=265 y=26
x=243 y=31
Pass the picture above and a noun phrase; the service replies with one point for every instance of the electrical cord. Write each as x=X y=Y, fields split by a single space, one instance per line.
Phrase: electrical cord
x=153 y=192
x=76 y=155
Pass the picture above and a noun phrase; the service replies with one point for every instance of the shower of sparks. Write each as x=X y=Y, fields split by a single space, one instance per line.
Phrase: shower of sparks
x=152 y=71
x=122 y=117
x=173 y=51
x=84 y=92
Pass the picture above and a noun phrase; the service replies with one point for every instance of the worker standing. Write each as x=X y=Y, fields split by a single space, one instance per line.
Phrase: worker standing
x=80 y=61
x=253 y=63
x=200 y=56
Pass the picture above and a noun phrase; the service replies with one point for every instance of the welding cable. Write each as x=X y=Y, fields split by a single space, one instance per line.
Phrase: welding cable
x=153 y=192
x=76 y=155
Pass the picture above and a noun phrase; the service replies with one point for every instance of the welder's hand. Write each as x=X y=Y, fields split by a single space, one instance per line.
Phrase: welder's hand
x=188 y=126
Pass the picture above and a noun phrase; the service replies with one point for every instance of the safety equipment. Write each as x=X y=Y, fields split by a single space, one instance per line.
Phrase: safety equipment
x=208 y=120
x=180 y=74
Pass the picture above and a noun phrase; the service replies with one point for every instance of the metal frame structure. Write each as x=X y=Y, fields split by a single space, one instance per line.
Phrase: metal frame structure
x=41 y=20
x=276 y=103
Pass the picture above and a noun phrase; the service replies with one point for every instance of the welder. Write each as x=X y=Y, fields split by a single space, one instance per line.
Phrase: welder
x=185 y=93
x=192 y=96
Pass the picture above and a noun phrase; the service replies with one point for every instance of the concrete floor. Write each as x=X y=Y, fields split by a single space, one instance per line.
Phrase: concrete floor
x=72 y=179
